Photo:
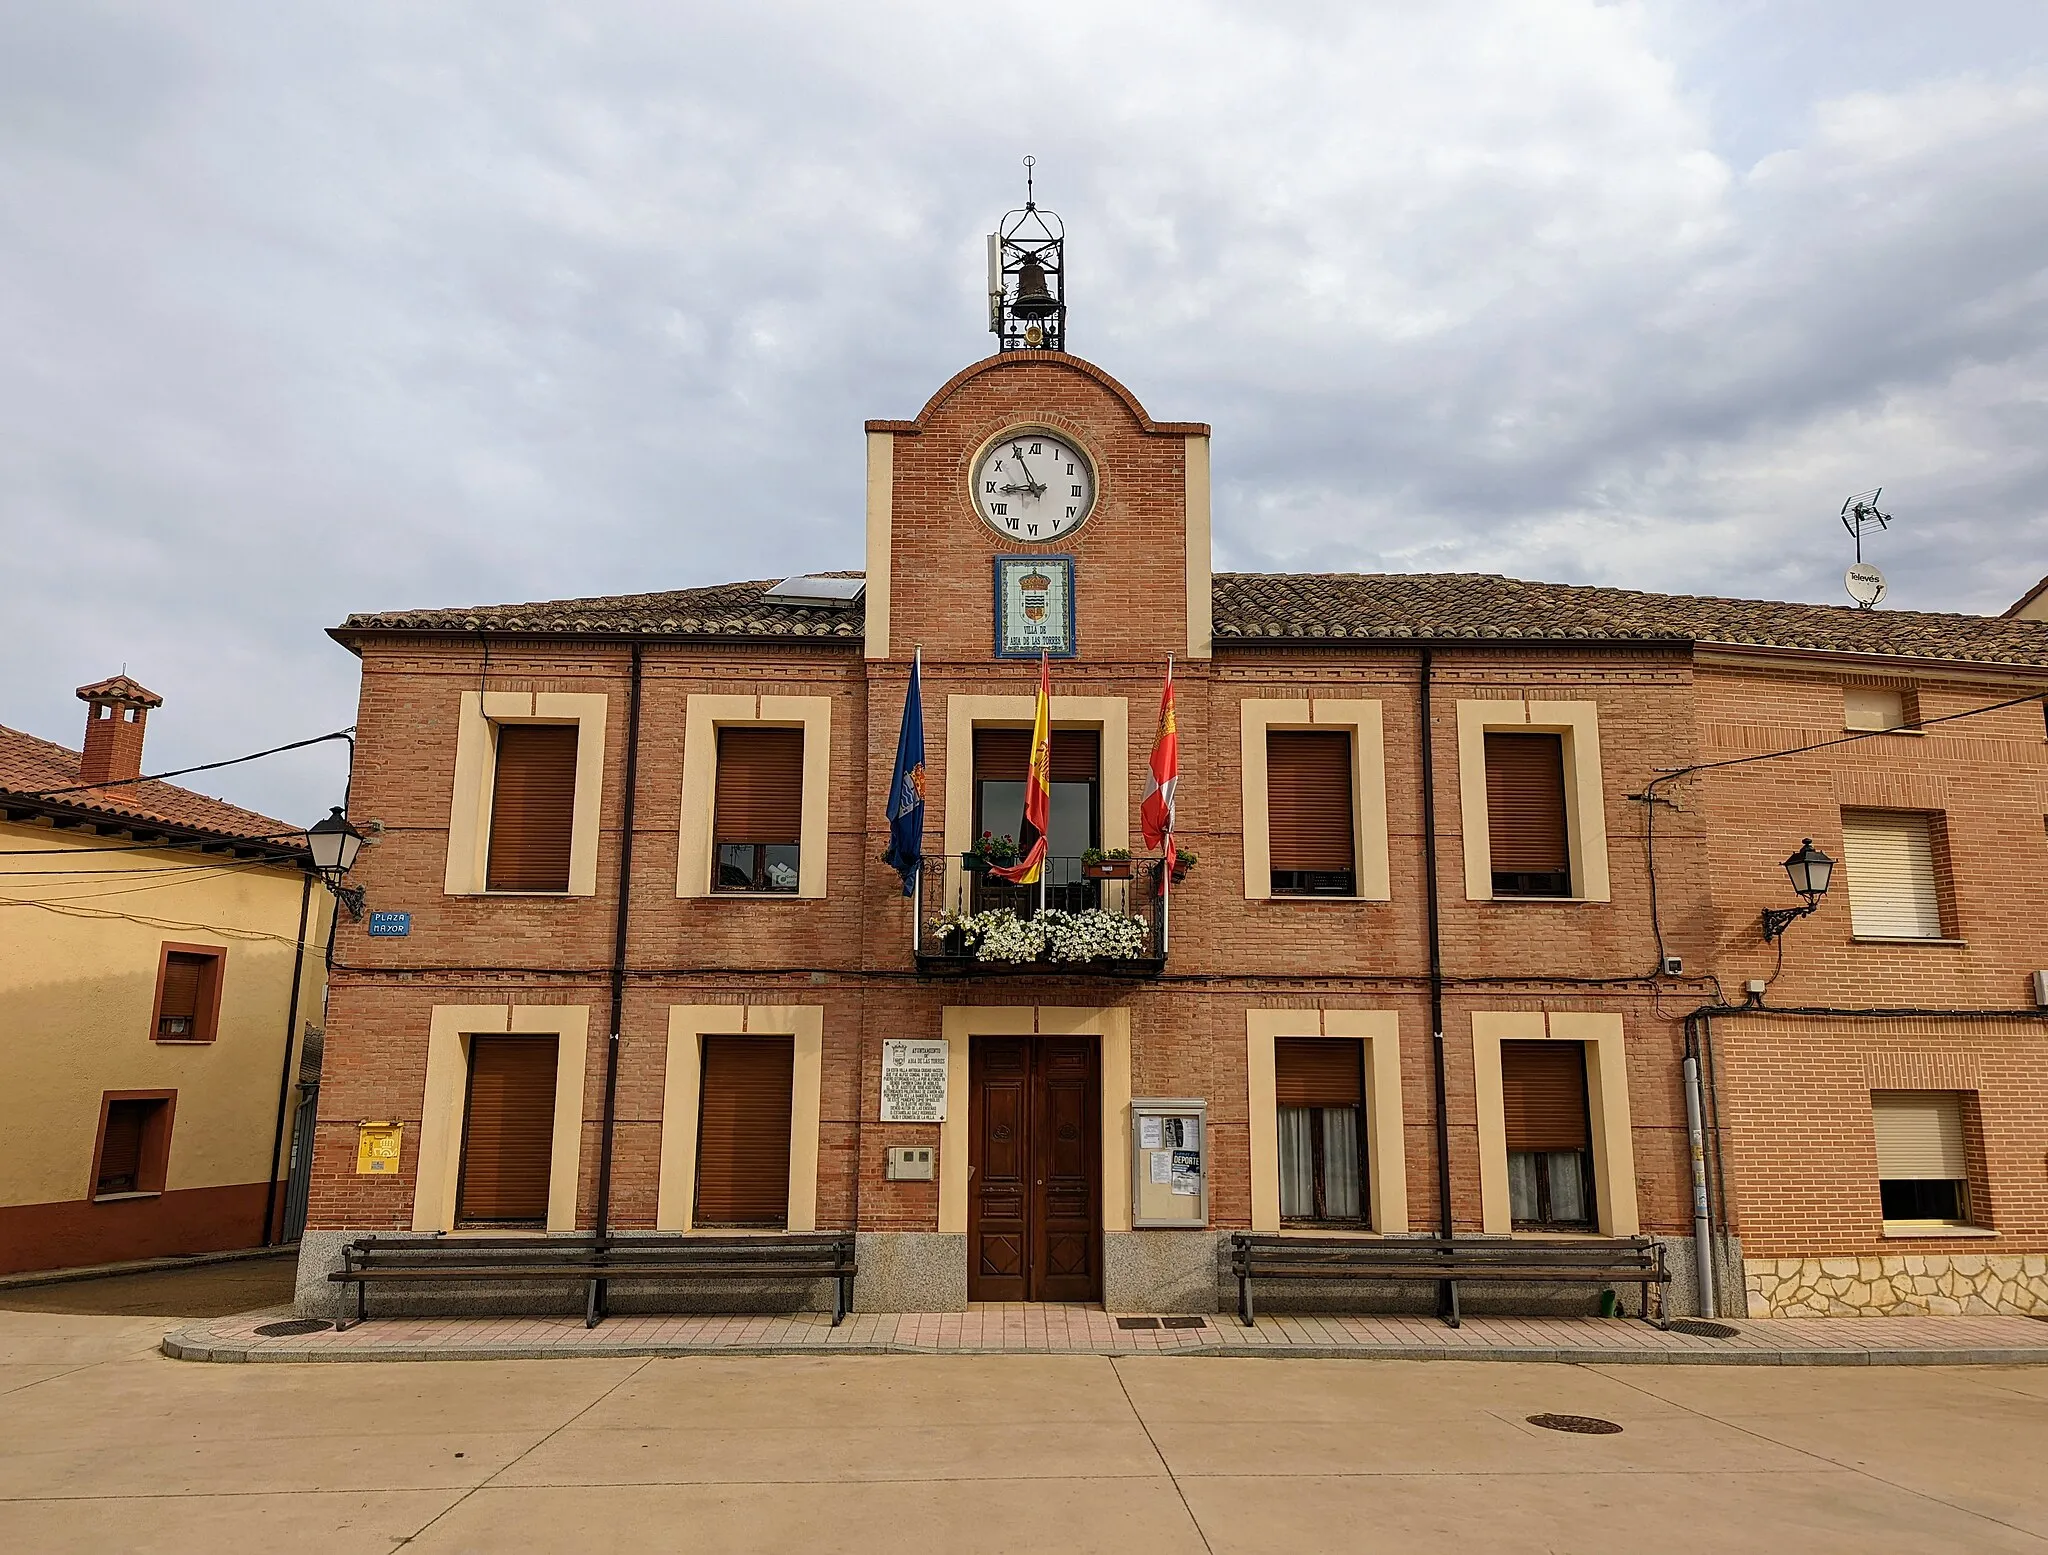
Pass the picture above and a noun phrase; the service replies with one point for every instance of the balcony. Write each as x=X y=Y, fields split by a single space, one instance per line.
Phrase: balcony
x=1085 y=922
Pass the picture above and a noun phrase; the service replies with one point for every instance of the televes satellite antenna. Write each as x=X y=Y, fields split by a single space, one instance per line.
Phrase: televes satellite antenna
x=1864 y=582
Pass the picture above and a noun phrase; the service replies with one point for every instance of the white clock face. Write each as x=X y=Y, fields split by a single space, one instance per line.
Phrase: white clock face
x=1034 y=487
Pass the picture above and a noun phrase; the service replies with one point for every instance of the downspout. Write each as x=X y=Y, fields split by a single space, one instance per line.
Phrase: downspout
x=1436 y=974
x=611 y=1050
x=1702 y=1225
x=291 y=1026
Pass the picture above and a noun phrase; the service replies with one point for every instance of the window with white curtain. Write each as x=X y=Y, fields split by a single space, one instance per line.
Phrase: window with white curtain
x=1320 y=1087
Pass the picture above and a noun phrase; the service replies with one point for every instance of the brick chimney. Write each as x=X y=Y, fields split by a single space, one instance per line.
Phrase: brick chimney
x=116 y=711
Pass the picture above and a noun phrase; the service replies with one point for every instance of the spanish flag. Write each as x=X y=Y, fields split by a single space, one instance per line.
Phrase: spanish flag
x=1157 y=815
x=1031 y=844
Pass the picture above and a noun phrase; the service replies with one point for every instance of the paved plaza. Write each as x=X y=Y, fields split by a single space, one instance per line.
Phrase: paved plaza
x=106 y=1444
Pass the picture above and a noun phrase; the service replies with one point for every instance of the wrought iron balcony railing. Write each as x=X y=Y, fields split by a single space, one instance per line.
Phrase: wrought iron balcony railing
x=1123 y=887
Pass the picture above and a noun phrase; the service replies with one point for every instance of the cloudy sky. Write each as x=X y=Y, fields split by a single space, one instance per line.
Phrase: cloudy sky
x=324 y=307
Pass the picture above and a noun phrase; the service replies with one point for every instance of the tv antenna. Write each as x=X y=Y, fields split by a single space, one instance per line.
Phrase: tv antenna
x=1860 y=513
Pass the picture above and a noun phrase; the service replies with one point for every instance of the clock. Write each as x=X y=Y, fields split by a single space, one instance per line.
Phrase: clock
x=1033 y=486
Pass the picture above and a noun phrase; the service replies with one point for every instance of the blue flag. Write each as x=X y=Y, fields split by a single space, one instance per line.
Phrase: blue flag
x=905 y=808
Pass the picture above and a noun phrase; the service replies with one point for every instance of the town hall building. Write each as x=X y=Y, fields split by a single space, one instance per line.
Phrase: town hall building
x=1471 y=913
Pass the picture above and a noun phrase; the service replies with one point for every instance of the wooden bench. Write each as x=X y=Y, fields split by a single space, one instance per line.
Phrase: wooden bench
x=1420 y=1260
x=599 y=1262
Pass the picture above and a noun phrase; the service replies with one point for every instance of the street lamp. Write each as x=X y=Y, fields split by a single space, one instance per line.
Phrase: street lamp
x=1810 y=871
x=334 y=844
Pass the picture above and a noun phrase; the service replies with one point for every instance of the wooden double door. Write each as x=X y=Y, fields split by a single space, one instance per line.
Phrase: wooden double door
x=1034 y=1187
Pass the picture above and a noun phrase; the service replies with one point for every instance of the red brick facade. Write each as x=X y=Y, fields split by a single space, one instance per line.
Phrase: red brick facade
x=1795 y=1172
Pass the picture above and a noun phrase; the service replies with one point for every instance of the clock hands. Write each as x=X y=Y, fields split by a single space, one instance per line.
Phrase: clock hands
x=1037 y=487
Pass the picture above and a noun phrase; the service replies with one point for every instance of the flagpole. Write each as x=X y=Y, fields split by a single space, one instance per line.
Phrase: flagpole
x=1166 y=864
x=917 y=881
x=1045 y=856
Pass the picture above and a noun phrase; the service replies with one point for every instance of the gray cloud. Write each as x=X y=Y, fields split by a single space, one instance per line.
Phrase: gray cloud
x=324 y=308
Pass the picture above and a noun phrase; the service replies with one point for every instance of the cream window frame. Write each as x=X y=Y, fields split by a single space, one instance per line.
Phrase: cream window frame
x=1386 y=1153
x=1585 y=796
x=442 y=1103
x=688 y=1025
x=960 y=1024
x=704 y=715
x=1109 y=716
x=1614 y=1151
x=1364 y=722
x=476 y=768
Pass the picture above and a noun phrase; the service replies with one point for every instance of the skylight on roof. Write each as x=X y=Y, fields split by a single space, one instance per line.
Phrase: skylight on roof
x=818 y=591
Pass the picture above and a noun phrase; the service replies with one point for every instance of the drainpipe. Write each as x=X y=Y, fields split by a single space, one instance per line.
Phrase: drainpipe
x=1702 y=1230
x=1436 y=975
x=619 y=918
x=284 y=1076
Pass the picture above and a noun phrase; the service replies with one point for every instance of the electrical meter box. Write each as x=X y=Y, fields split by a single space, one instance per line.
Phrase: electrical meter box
x=908 y=1163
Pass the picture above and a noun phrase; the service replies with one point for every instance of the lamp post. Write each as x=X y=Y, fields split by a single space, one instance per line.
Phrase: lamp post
x=1810 y=870
x=334 y=844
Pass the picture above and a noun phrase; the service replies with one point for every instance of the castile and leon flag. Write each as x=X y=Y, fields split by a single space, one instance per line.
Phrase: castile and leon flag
x=1157 y=815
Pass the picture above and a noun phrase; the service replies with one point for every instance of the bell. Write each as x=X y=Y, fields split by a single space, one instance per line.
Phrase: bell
x=1033 y=300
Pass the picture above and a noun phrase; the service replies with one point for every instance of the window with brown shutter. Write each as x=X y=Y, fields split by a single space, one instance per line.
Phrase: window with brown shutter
x=743 y=1131
x=533 y=808
x=1309 y=812
x=134 y=1142
x=1319 y=1089
x=508 y=1132
x=757 y=815
x=188 y=994
x=1549 y=1132
x=1525 y=819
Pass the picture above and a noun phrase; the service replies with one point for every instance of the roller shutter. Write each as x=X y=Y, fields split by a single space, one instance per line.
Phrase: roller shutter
x=1919 y=1135
x=760 y=787
x=1318 y=1072
x=533 y=808
x=1543 y=1095
x=1525 y=804
x=187 y=997
x=1004 y=755
x=1888 y=856
x=743 y=1131
x=508 y=1130
x=120 y=1168
x=1308 y=800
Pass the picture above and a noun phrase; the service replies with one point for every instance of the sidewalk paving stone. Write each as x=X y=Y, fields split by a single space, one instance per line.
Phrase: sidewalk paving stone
x=1001 y=1328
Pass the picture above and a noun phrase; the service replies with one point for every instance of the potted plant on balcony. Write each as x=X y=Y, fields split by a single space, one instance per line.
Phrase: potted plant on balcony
x=1183 y=860
x=988 y=851
x=1107 y=863
x=953 y=932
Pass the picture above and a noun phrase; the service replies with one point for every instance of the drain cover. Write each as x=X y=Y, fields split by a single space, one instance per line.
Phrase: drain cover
x=1579 y=1425
x=1137 y=1322
x=1700 y=1328
x=1182 y=1322
x=296 y=1325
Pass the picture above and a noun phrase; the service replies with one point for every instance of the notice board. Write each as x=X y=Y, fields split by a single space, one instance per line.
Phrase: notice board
x=1169 y=1163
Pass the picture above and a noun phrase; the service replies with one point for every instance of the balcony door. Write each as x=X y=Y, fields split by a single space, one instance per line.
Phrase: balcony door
x=1002 y=758
x=1034 y=1186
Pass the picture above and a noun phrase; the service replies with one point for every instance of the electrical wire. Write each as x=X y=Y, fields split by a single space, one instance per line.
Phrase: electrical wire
x=7 y=875
x=204 y=766
x=217 y=871
x=1651 y=798
x=104 y=914
x=152 y=847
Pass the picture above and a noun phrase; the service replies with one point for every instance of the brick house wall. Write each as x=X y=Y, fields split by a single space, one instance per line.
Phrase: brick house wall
x=1795 y=1185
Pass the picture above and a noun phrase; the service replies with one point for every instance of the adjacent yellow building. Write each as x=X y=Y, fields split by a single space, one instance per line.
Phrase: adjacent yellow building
x=159 y=950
